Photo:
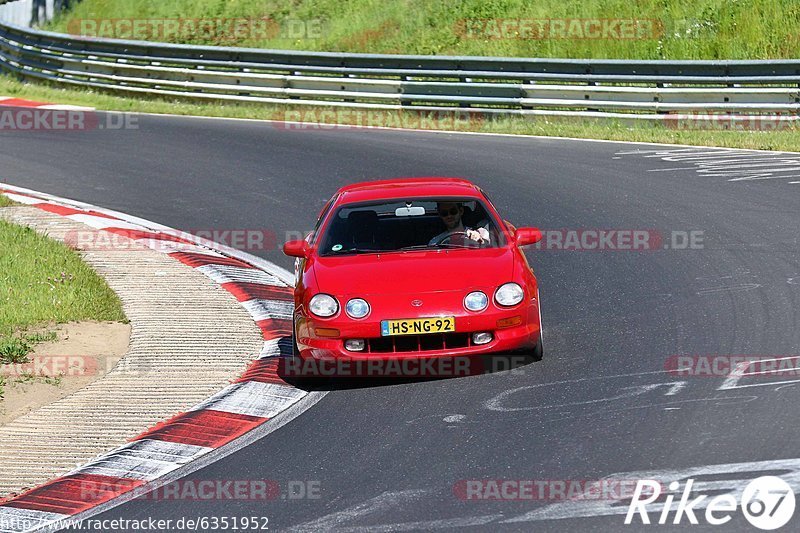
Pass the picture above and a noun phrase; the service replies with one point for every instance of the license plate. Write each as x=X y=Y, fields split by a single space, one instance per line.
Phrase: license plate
x=418 y=326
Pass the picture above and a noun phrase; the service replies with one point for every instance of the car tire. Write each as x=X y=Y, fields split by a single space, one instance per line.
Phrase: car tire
x=295 y=348
x=310 y=382
x=538 y=351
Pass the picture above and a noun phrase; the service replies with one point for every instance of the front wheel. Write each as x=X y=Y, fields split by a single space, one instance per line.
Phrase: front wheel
x=538 y=351
x=295 y=348
x=304 y=380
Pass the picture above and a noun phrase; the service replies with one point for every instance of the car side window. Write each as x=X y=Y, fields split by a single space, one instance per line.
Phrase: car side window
x=497 y=234
x=322 y=215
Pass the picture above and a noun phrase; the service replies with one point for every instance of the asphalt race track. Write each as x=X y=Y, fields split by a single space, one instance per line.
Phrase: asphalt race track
x=392 y=457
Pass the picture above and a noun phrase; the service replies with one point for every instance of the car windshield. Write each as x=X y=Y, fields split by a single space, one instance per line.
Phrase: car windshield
x=420 y=224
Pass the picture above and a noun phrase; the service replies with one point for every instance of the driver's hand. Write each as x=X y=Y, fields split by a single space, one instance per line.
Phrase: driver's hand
x=476 y=236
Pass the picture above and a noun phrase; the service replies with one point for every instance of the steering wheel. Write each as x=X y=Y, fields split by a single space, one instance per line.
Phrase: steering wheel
x=445 y=238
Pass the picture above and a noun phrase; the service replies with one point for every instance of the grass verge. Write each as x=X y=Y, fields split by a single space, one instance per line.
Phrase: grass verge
x=5 y=202
x=659 y=29
x=769 y=139
x=42 y=283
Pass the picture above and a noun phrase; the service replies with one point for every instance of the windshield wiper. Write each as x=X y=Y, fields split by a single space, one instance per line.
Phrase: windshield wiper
x=434 y=246
x=417 y=247
x=359 y=251
x=451 y=245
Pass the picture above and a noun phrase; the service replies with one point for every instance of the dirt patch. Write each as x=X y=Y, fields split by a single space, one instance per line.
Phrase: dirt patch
x=84 y=352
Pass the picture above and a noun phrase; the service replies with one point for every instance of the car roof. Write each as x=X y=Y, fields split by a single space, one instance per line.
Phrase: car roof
x=400 y=188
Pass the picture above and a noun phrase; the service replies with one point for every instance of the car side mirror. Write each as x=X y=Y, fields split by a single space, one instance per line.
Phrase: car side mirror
x=297 y=248
x=526 y=236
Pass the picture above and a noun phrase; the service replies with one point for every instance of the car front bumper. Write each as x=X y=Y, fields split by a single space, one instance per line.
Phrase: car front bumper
x=509 y=339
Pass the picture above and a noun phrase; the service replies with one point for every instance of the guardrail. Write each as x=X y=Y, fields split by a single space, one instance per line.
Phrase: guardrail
x=630 y=89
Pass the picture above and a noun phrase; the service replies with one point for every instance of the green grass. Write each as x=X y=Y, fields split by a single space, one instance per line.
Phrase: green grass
x=44 y=282
x=15 y=349
x=5 y=202
x=700 y=29
x=787 y=140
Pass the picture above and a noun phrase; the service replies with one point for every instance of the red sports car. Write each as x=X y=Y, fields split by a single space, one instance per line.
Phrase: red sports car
x=421 y=267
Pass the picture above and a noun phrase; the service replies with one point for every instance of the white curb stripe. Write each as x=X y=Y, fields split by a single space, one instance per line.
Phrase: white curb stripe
x=276 y=348
x=228 y=274
x=145 y=459
x=45 y=105
x=253 y=398
x=132 y=469
x=65 y=107
x=156 y=450
x=103 y=222
x=266 y=309
x=20 y=199
x=171 y=247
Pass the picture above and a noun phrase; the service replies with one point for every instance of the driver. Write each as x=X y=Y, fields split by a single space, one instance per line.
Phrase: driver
x=451 y=213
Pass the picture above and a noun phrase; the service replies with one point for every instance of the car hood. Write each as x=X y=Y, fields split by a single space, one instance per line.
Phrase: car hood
x=414 y=272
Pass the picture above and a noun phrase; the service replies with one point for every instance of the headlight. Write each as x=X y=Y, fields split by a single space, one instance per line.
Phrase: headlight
x=357 y=308
x=476 y=301
x=509 y=294
x=323 y=305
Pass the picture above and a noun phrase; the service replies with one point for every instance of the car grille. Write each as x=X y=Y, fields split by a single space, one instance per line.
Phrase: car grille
x=419 y=343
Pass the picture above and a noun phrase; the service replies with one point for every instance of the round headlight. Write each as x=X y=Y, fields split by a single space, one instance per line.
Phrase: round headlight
x=509 y=294
x=357 y=308
x=323 y=305
x=476 y=301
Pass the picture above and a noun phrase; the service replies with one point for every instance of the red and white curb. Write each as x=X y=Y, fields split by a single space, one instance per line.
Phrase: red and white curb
x=10 y=101
x=259 y=402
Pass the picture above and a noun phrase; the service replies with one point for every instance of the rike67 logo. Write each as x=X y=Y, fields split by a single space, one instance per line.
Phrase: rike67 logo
x=767 y=503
